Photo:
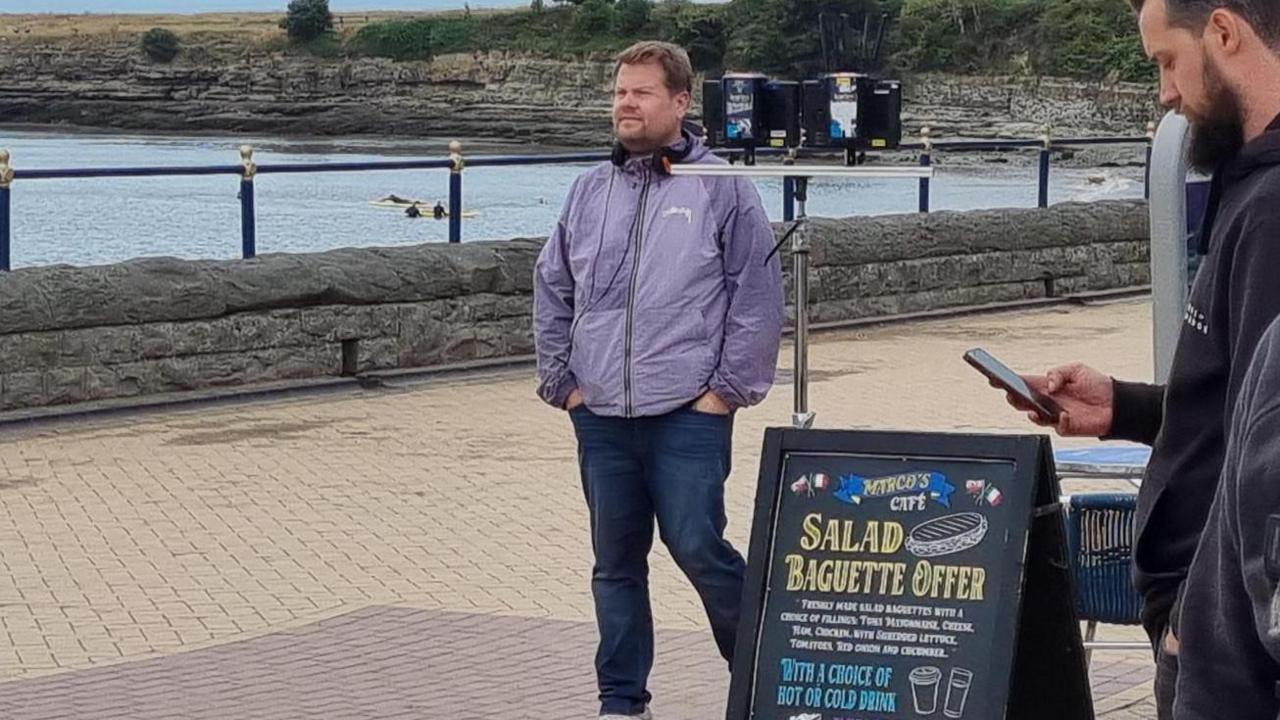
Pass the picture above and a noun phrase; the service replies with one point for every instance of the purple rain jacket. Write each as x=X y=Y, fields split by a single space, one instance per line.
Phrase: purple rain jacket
x=654 y=289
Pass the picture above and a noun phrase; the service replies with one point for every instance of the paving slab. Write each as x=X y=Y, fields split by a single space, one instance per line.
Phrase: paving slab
x=420 y=550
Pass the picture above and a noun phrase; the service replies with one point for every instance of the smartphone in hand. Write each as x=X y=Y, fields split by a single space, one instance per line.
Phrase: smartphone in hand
x=1011 y=382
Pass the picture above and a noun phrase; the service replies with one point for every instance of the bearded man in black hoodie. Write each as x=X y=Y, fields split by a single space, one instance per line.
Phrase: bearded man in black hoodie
x=1220 y=68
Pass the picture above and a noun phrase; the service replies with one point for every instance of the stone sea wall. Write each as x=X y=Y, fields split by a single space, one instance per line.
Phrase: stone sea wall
x=71 y=335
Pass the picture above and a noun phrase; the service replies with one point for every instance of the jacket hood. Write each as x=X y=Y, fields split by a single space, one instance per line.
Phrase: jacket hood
x=1259 y=152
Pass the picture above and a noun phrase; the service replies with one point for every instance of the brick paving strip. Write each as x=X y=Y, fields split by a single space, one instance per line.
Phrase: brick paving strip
x=420 y=550
x=397 y=662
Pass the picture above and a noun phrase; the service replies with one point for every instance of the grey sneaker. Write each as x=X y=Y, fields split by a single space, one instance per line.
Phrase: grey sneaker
x=646 y=715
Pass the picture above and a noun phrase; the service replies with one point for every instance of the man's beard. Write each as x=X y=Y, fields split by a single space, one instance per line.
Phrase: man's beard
x=639 y=143
x=646 y=139
x=1219 y=134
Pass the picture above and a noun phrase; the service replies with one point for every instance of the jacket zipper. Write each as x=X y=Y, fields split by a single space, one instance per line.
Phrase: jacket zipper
x=631 y=294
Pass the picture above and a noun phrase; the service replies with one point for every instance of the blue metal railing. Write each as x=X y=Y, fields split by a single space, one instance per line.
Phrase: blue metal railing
x=248 y=218
x=247 y=170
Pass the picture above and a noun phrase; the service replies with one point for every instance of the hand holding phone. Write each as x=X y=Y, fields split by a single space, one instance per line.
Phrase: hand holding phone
x=1002 y=377
x=1081 y=396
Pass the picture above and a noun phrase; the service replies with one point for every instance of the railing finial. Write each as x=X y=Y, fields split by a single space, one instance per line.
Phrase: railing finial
x=1046 y=136
x=6 y=172
x=926 y=138
x=455 y=156
x=247 y=167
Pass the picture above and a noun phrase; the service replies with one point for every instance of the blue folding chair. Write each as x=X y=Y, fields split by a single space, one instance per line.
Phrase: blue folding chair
x=1100 y=537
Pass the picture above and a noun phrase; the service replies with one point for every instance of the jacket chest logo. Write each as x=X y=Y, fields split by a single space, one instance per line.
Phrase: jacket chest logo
x=687 y=213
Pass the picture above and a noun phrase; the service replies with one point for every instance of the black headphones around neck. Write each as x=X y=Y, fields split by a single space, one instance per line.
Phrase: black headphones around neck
x=662 y=159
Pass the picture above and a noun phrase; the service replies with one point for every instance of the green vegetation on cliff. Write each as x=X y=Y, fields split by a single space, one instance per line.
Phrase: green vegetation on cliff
x=307 y=20
x=161 y=45
x=1088 y=39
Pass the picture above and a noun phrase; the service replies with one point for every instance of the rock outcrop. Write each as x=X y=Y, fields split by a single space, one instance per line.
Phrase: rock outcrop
x=217 y=84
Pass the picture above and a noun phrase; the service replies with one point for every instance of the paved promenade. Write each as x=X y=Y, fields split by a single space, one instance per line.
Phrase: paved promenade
x=418 y=551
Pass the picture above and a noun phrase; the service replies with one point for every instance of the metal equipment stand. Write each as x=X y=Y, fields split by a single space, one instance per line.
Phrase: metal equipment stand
x=802 y=417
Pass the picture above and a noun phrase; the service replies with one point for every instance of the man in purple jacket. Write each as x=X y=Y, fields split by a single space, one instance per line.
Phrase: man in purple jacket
x=656 y=316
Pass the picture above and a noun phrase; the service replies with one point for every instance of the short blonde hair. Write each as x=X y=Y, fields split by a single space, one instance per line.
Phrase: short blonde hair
x=673 y=59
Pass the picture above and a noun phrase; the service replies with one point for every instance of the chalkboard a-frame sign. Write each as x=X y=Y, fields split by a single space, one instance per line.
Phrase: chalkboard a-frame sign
x=908 y=575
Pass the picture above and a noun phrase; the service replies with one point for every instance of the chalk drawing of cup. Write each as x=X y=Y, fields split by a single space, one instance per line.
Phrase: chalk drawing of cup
x=957 y=692
x=924 y=689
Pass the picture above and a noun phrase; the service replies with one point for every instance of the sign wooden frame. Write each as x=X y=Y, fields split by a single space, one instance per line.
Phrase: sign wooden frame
x=1037 y=667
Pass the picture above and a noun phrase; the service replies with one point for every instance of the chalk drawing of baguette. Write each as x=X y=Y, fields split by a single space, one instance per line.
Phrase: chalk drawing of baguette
x=947 y=534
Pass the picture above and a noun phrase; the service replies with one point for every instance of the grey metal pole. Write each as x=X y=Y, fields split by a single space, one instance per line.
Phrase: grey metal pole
x=802 y=417
x=789 y=189
x=1168 y=219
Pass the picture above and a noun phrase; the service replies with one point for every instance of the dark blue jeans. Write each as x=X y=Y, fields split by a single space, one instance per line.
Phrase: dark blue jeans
x=670 y=468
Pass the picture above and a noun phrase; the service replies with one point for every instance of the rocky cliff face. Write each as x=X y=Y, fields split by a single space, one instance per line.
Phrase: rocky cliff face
x=1018 y=107
x=224 y=87
x=220 y=85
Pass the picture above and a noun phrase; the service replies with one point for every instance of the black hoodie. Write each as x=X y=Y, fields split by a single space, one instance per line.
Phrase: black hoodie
x=1229 y=661
x=1234 y=298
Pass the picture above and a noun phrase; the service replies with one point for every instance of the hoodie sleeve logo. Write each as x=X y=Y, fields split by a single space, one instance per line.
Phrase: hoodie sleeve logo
x=1196 y=319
